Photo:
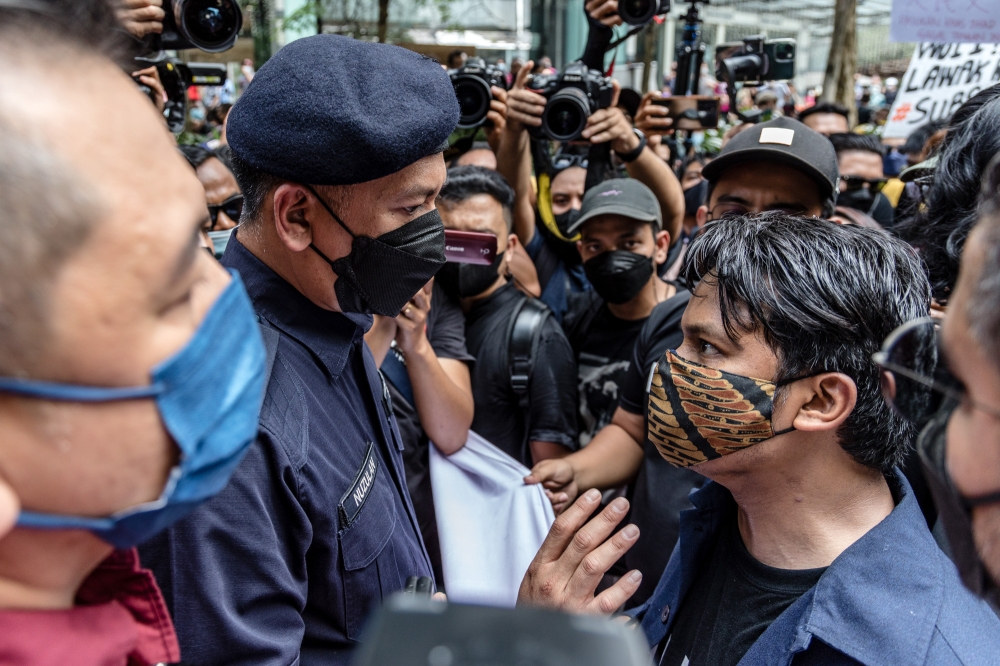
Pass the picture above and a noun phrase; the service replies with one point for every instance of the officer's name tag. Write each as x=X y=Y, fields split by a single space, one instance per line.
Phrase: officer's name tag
x=354 y=498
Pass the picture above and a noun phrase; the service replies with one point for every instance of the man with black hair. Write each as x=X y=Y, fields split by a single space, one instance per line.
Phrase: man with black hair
x=808 y=544
x=826 y=118
x=540 y=423
x=860 y=162
x=222 y=194
x=779 y=165
x=621 y=243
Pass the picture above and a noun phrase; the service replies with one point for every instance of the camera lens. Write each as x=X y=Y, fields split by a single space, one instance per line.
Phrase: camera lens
x=211 y=25
x=566 y=114
x=637 y=12
x=473 y=100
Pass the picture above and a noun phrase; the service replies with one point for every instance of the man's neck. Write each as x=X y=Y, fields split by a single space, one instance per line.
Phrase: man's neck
x=806 y=516
x=44 y=570
x=655 y=291
x=468 y=301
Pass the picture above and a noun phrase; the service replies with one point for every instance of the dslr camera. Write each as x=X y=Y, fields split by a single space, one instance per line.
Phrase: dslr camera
x=472 y=84
x=755 y=60
x=573 y=96
x=641 y=12
x=177 y=77
x=208 y=25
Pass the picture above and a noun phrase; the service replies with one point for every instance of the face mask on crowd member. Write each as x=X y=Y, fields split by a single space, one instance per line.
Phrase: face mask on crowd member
x=132 y=367
x=621 y=242
x=859 y=160
x=567 y=189
x=780 y=165
x=222 y=194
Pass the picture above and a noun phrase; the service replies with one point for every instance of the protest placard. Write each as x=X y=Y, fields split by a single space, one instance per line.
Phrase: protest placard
x=940 y=78
x=945 y=21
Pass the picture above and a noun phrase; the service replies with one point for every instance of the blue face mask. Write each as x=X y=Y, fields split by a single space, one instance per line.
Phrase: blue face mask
x=209 y=395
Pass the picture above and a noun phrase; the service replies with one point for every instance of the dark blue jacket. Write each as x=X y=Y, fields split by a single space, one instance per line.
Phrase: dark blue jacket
x=891 y=598
x=316 y=527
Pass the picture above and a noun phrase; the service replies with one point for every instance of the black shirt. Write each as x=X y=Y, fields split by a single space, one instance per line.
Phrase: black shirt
x=732 y=600
x=660 y=491
x=446 y=335
x=603 y=345
x=551 y=392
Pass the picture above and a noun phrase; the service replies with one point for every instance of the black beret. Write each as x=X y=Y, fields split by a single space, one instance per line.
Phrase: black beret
x=330 y=110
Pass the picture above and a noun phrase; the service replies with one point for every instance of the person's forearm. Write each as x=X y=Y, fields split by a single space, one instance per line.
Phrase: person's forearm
x=610 y=460
x=379 y=337
x=653 y=172
x=547 y=451
x=514 y=164
x=445 y=410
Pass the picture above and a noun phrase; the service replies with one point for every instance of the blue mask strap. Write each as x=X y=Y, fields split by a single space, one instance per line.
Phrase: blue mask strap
x=45 y=521
x=76 y=393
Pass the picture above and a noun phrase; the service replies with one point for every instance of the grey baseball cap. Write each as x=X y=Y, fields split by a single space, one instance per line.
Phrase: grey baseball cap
x=619 y=196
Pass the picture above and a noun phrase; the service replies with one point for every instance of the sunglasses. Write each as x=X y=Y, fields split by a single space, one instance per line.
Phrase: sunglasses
x=560 y=162
x=232 y=207
x=857 y=182
x=915 y=380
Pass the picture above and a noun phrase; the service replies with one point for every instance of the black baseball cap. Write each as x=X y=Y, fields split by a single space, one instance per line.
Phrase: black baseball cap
x=619 y=196
x=781 y=140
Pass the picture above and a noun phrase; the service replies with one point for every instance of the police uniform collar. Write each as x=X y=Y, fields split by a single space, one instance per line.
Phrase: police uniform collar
x=328 y=335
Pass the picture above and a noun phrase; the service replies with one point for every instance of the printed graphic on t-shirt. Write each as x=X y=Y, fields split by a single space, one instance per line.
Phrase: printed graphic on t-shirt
x=599 y=382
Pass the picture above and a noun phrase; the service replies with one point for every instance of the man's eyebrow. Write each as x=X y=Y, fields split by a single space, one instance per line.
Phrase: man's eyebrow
x=422 y=191
x=711 y=333
x=732 y=198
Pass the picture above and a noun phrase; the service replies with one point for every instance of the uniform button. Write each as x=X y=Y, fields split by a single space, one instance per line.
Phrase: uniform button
x=665 y=614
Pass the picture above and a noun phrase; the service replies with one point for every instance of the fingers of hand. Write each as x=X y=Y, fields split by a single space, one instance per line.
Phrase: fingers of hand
x=148 y=13
x=593 y=534
x=611 y=599
x=134 y=4
x=616 y=91
x=612 y=21
x=599 y=9
x=421 y=302
x=564 y=528
x=499 y=94
x=522 y=75
x=596 y=563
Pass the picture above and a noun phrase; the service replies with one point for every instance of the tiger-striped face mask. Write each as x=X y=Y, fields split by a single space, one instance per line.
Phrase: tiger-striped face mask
x=697 y=413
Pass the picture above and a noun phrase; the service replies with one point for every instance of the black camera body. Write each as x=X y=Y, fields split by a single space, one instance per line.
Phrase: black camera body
x=573 y=95
x=641 y=12
x=176 y=77
x=208 y=25
x=755 y=60
x=472 y=84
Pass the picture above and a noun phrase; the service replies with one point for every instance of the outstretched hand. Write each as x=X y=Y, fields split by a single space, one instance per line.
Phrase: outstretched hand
x=575 y=556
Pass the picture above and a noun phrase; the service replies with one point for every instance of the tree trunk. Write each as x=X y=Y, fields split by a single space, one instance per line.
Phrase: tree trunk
x=838 y=84
x=261 y=33
x=383 y=20
x=648 y=50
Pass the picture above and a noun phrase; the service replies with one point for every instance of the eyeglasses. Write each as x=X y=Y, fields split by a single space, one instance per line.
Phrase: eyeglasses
x=857 y=182
x=565 y=161
x=232 y=207
x=914 y=379
x=730 y=209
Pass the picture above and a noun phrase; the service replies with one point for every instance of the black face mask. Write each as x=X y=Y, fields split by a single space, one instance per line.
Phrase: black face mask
x=954 y=512
x=694 y=198
x=382 y=274
x=464 y=280
x=619 y=275
x=874 y=204
x=565 y=220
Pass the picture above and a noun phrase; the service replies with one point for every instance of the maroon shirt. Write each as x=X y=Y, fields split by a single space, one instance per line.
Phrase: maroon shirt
x=120 y=620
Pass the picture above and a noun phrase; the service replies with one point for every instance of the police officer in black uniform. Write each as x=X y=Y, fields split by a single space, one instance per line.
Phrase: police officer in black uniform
x=337 y=147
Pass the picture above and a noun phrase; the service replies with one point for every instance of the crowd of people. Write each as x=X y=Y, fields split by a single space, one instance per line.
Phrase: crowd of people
x=225 y=362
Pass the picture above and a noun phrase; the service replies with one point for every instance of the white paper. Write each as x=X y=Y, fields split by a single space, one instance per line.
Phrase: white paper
x=945 y=21
x=490 y=524
x=940 y=78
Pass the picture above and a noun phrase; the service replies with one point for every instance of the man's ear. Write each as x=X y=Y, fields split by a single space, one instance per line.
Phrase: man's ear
x=662 y=239
x=702 y=215
x=292 y=204
x=825 y=401
x=9 y=508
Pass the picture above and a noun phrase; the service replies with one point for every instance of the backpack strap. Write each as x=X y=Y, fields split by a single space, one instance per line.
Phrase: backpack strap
x=522 y=349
